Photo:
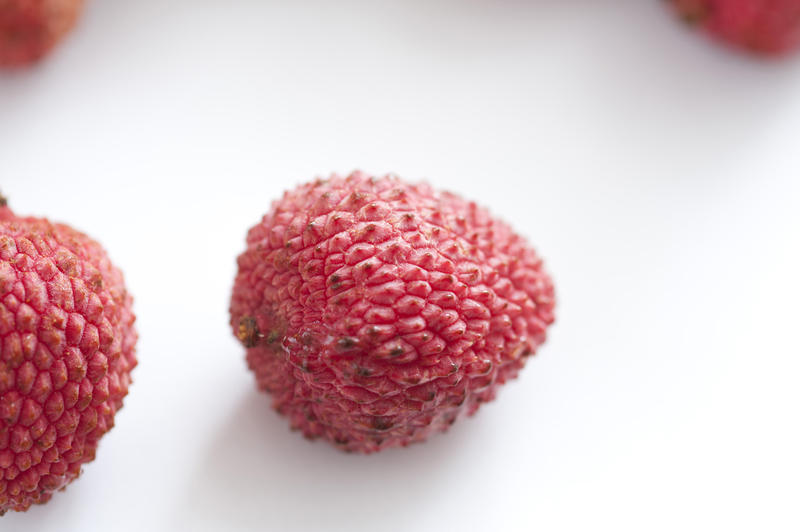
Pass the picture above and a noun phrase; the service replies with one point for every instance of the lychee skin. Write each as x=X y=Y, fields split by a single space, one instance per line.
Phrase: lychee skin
x=66 y=353
x=767 y=27
x=377 y=312
x=29 y=29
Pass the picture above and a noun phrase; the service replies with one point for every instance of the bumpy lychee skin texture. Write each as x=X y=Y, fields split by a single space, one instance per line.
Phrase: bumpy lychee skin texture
x=66 y=353
x=767 y=27
x=29 y=29
x=377 y=312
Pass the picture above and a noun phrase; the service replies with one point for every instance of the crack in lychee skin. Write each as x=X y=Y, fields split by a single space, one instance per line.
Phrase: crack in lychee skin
x=67 y=348
x=413 y=308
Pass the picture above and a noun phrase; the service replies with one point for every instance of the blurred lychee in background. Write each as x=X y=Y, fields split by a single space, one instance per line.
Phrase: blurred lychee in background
x=29 y=29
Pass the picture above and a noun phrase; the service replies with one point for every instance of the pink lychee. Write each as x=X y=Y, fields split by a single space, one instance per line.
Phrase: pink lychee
x=29 y=29
x=66 y=353
x=376 y=312
x=769 y=27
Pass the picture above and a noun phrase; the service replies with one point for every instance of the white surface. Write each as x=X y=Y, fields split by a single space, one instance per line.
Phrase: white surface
x=658 y=175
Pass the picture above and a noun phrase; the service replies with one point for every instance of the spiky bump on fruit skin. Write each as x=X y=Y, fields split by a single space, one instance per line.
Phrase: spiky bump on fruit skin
x=768 y=27
x=66 y=353
x=29 y=29
x=377 y=312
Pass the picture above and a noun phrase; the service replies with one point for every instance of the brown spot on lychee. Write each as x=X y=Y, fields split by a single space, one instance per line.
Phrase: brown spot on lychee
x=346 y=342
x=96 y=282
x=381 y=424
x=248 y=332
x=693 y=12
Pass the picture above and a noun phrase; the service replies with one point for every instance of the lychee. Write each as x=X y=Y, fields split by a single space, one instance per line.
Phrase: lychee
x=66 y=353
x=376 y=312
x=29 y=29
x=768 y=27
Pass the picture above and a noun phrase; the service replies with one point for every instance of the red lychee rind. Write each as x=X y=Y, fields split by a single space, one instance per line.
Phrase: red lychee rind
x=66 y=353
x=376 y=312
x=29 y=29
x=768 y=27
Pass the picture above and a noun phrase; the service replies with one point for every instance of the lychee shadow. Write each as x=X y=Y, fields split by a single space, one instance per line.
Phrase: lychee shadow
x=258 y=474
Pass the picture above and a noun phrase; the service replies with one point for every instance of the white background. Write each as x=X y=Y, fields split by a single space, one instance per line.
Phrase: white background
x=657 y=174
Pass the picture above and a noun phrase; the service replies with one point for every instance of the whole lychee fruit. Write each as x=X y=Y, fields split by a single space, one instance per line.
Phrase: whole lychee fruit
x=377 y=312
x=769 y=27
x=31 y=28
x=66 y=353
